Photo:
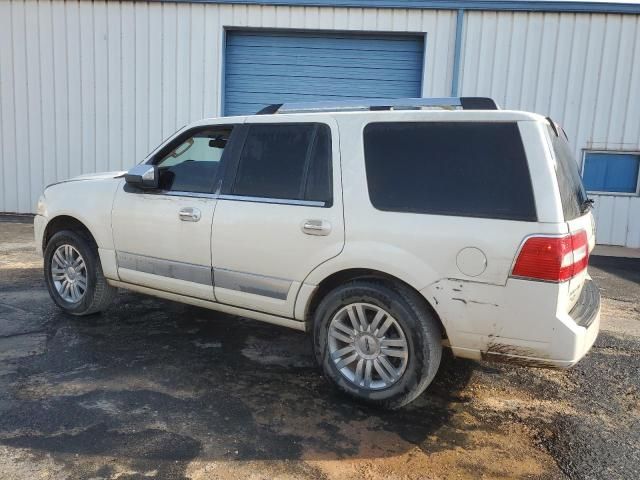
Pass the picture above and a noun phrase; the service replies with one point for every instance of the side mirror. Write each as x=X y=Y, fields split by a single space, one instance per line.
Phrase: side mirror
x=143 y=176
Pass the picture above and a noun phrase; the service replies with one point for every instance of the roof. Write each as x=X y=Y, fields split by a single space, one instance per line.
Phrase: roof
x=586 y=6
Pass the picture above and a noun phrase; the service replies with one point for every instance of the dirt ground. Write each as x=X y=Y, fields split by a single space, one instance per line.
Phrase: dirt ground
x=155 y=389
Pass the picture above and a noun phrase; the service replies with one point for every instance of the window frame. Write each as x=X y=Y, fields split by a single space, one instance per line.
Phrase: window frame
x=585 y=151
x=231 y=172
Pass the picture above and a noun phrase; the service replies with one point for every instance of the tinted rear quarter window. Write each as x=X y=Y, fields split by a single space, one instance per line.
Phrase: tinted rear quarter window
x=467 y=169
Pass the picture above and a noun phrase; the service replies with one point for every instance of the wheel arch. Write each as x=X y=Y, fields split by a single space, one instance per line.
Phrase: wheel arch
x=341 y=277
x=65 y=222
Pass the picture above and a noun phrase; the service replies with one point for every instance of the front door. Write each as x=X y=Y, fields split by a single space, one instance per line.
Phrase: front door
x=163 y=237
x=279 y=214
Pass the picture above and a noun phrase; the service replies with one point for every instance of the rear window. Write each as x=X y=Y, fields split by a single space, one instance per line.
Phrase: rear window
x=572 y=192
x=469 y=169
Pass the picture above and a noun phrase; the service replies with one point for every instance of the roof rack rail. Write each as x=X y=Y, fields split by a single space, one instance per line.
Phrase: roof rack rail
x=373 y=104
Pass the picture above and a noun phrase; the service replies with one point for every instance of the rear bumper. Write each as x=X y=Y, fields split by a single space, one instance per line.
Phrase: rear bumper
x=574 y=336
x=586 y=315
x=587 y=308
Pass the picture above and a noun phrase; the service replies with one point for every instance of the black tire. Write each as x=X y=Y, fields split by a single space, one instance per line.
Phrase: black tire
x=98 y=294
x=422 y=332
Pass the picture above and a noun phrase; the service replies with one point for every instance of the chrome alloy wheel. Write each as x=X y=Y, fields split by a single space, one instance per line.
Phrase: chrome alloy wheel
x=69 y=273
x=368 y=346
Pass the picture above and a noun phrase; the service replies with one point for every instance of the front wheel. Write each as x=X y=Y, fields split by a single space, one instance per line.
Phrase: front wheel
x=377 y=343
x=73 y=274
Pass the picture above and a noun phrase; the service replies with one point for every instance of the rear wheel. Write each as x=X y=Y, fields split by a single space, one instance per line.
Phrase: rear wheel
x=377 y=343
x=73 y=274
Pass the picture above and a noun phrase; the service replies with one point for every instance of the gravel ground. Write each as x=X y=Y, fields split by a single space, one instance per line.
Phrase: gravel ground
x=155 y=389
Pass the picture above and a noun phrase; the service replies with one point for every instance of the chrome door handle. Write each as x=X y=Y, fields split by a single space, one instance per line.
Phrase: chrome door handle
x=316 y=227
x=189 y=214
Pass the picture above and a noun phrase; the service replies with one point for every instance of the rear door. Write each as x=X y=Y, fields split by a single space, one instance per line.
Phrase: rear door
x=279 y=214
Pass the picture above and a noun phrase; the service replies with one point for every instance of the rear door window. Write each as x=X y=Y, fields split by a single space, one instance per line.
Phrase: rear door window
x=286 y=161
x=467 y=169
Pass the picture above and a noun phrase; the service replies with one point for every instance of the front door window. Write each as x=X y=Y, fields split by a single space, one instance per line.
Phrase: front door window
x=191 y=164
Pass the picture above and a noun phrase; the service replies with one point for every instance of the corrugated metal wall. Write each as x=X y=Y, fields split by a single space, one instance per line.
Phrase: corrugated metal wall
x=583 y=70
x=90 y=86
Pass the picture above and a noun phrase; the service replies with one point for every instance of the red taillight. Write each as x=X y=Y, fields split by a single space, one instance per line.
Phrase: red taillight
x=553 y=259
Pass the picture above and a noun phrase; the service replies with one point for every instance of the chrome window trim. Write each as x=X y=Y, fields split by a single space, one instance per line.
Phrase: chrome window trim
x=240 y=198
x=177 y=193
x=278 y=201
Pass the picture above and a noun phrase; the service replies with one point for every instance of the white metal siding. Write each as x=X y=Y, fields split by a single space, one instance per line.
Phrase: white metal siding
x=93 y=86
x=90 y=86
x=583 y=70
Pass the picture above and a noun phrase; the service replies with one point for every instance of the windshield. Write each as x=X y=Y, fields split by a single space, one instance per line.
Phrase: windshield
x=572 y=193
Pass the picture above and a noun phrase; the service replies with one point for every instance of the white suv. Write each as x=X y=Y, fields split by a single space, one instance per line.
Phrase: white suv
x=386 y=229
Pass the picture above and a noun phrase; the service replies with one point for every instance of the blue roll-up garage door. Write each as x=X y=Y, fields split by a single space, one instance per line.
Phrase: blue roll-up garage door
x=262 y=68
